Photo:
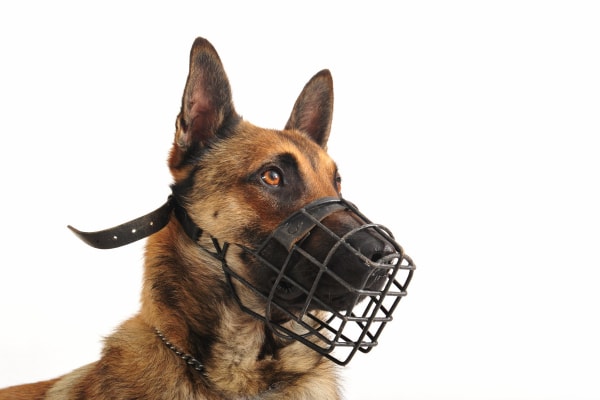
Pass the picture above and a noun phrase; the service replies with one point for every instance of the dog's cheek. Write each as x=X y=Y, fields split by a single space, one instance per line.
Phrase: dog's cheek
x=253 y=236
x=224 y=225
x=250 y=269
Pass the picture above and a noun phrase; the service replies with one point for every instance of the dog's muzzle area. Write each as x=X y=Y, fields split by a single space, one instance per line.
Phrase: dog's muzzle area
x=329 y=278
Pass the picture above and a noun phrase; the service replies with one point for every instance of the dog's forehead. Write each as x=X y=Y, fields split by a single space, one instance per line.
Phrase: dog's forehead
x=262 y=146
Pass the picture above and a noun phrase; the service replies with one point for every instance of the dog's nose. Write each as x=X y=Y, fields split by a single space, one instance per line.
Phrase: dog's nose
x=380 y=250
x=376 y=248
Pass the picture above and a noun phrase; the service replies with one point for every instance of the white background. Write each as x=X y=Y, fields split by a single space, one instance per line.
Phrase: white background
x=470 y=128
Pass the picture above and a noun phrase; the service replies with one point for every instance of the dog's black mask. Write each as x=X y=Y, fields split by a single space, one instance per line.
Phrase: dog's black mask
x=328 y=276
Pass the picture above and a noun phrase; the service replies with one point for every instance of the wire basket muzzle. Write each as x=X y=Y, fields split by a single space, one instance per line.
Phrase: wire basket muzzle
x=337 y=300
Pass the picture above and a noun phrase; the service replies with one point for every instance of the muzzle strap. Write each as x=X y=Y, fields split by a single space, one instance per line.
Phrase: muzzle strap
x=297 y=226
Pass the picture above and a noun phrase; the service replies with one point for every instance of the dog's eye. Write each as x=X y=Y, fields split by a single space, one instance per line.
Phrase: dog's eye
x=272 y=177
x=338 y=182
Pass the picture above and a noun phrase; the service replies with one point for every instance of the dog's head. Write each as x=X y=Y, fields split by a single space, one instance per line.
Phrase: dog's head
x=294 y=251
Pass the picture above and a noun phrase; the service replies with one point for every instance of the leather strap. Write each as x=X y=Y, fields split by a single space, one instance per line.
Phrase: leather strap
x=305 y=219
x=131 y=231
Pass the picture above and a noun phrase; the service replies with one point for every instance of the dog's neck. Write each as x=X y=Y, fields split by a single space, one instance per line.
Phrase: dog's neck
x=237 y=351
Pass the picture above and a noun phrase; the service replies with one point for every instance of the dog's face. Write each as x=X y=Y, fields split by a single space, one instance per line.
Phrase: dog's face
x=239 y=182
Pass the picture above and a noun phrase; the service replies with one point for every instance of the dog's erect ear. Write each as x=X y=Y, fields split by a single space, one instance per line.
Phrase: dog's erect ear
x=313 y=110
x=206 y=106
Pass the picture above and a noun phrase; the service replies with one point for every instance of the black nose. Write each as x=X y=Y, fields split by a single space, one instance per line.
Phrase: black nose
x=378 y=250
x=373 y=246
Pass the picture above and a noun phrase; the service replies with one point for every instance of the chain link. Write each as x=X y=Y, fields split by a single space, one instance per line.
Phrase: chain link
x=188 y=358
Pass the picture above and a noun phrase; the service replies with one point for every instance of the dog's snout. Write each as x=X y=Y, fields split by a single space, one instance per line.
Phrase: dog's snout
x=374 y=247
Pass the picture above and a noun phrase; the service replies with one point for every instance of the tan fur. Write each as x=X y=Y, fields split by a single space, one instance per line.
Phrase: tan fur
x=184 y=287
x=31 y=391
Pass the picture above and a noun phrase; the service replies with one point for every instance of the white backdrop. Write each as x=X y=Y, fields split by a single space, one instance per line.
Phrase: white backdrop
x=469 y=128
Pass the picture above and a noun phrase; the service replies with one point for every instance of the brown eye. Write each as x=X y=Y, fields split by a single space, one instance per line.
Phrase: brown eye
x=338 y=183
x=272 y=177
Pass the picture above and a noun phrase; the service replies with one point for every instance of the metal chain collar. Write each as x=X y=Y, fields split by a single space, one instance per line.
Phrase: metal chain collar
x=188 y=358
x=194 y=363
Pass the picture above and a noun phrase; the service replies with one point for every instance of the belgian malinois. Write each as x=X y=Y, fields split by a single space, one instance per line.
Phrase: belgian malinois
x=258 y=274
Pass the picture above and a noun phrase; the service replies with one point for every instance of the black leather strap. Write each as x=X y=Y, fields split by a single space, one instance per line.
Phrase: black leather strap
x=189 y=226
x=305 y=219
x=128 y=232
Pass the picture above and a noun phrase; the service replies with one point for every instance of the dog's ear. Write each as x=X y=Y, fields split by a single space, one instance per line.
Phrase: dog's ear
x=313 y=109
x=206 y=105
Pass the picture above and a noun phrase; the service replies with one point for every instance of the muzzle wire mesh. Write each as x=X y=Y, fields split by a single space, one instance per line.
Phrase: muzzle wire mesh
x=317 y=323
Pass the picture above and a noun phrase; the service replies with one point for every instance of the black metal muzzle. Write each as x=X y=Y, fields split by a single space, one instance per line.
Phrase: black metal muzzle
x=327 y=276
x=310 y=298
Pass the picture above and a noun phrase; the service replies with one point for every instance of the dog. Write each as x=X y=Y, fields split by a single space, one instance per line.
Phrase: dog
x=255 y=269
